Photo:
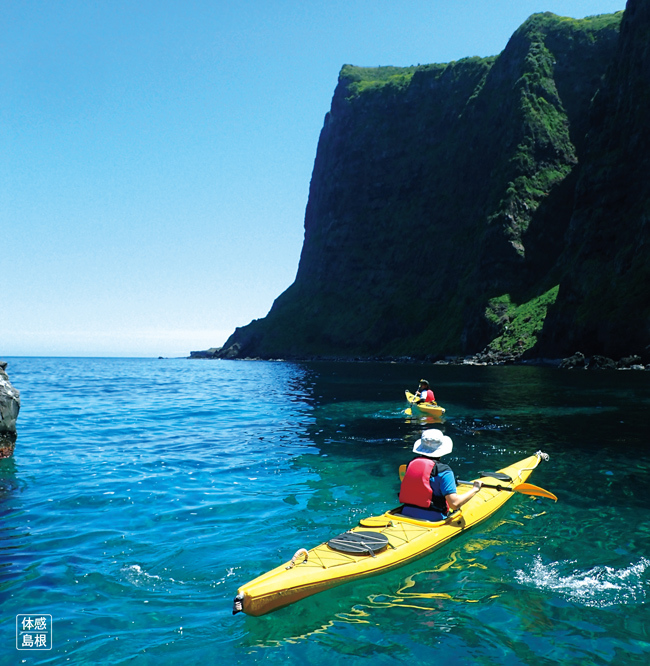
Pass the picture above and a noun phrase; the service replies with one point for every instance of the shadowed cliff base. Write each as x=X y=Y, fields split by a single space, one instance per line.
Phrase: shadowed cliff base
x=490 y=205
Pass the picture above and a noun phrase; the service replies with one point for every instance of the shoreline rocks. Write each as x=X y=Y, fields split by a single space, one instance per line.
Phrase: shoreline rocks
x=484 y=358
x=579 y=361
x=9 y=408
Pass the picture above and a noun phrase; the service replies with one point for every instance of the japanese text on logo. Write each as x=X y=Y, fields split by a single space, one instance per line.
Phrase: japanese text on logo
x=34 y=632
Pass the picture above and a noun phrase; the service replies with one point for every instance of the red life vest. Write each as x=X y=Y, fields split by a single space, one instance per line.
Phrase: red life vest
x=428 y=396
x=416 y=486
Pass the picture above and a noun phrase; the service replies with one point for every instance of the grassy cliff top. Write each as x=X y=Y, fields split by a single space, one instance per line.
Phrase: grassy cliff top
x=361 y=79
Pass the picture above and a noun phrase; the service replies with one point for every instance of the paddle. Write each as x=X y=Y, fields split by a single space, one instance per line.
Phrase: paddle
x=524 y=488
x=497 y=475
x=408 y=411
x=417 y=399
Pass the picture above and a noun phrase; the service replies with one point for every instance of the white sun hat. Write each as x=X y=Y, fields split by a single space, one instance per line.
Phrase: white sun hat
x=433 y=444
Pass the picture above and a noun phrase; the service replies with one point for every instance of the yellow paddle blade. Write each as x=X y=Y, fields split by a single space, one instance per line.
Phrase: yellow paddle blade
x=408 y=411
x=530 y=489
x=402 y=472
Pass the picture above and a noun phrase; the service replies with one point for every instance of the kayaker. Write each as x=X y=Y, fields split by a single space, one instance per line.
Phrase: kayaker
x=428 y=490
x=424 y=392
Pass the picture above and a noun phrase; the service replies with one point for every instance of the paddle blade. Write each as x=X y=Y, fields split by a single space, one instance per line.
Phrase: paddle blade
x=408 y=411
x=402 y=472
x=530 y=489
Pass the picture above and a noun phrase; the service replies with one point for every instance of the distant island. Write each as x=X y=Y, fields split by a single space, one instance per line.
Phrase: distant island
x=490 y=206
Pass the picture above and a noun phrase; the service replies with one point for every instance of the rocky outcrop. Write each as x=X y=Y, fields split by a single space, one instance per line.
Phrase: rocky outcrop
x=206 y=353
x=579 y=361
x=449 y=202
x=9 y=408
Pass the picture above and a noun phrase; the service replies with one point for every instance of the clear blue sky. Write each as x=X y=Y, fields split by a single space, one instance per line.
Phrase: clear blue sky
x=155 y=156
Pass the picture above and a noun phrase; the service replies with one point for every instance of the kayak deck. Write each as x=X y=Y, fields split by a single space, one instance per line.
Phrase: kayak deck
x=430 y=408
x=323 y=567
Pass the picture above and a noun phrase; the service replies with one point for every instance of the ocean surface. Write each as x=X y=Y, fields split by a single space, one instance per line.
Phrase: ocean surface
x=144 y=492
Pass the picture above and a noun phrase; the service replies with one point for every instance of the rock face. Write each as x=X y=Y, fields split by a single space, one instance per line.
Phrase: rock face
x=449 y=202
x=9 y=408
x=603 y=305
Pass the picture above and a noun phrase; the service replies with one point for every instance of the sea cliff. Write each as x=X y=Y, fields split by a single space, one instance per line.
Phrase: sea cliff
x=495 y=205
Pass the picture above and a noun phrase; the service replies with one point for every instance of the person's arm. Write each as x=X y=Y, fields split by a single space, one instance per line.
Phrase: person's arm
x=455 y=501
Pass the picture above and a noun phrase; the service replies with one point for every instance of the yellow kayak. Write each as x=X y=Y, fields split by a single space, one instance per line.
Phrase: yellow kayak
x=377 y=544
x=430 y=408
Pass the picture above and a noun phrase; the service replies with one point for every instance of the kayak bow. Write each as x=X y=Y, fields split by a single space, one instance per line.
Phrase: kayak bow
x=376 y=545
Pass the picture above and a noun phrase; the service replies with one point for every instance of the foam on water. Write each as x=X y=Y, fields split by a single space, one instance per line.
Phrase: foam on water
x=600 y=586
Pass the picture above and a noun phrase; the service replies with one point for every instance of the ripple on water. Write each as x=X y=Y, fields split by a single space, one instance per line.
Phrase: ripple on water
x=600 y=586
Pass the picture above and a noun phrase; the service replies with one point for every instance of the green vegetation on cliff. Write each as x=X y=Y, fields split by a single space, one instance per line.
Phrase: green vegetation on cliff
x=519 y=324
x=362 y=79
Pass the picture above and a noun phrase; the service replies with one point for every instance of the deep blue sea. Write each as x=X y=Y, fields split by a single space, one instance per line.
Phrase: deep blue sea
x=144 y=492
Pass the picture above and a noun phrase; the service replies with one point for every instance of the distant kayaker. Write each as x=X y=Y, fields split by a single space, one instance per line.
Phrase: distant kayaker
x=428 y=489
x=424 y=392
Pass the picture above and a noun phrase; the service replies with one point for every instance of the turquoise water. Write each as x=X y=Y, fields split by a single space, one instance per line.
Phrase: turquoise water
x=143 y=493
